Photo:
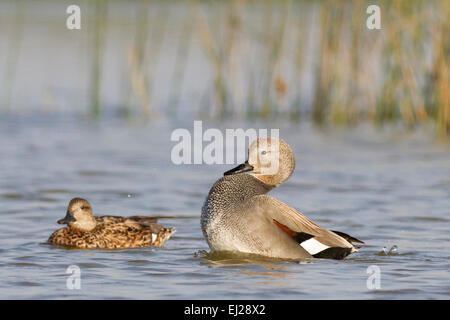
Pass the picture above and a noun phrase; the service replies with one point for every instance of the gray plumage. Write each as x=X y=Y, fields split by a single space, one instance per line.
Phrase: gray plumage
x=238 y=215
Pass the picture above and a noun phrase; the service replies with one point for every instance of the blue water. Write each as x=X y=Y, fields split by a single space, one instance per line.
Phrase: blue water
x=385 y=187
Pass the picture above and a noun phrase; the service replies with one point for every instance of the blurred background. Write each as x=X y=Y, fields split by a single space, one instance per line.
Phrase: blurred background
x=240 y=59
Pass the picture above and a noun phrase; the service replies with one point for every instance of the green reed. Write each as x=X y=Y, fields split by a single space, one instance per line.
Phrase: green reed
x=258 y=53
x=15 y=41
x=98 y=42
x=381 y=76
x=360 y=75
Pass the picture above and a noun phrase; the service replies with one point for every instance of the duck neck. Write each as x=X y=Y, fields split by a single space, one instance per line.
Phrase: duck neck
x=231 y=191
x=85 y=225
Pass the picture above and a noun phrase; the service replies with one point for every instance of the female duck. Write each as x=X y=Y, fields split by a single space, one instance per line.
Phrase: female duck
x=239 y=216
x=107 y=232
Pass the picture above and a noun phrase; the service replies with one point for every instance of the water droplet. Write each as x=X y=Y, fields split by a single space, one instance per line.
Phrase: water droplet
x=393 y=250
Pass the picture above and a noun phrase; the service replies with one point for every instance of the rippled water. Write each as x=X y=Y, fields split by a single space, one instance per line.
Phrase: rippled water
x=385 y=188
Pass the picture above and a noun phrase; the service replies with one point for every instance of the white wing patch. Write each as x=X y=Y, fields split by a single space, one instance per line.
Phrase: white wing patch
x=153 y=237
x=313 y=246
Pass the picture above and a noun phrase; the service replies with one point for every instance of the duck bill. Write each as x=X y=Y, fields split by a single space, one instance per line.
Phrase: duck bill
x=245 y=167
x=66 y=220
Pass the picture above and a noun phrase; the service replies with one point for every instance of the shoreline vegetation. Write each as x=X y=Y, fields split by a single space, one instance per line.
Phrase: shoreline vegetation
x=295 y=60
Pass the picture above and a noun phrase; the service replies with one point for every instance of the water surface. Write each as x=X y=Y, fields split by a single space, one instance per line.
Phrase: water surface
x=386 y=188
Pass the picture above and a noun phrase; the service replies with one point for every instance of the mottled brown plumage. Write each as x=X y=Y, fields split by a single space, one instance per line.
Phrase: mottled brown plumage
x=107 y=232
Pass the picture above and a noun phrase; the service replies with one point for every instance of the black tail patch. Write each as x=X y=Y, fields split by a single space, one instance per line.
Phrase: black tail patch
x=333 y=253
x=347 y=237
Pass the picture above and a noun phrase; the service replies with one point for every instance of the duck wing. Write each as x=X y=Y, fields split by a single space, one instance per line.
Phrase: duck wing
x=109 y=219
x=136 y=222
x=143 y=222
x=142 y=219
x=318 y=241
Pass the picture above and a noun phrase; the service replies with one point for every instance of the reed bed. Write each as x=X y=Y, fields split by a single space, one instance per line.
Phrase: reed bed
x=269 y=59
x=98 y=21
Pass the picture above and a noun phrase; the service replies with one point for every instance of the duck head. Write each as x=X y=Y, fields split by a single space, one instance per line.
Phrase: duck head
x=270 y=160
x=79 y=215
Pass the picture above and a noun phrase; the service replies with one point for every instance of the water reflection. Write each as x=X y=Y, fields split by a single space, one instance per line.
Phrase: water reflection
x=273 y=267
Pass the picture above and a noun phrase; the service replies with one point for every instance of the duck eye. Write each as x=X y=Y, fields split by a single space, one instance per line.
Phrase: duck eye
x=263 y=153
x=85 y=208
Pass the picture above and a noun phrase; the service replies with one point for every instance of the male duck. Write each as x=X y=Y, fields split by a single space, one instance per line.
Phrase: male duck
x=107 y=232
x=238 y=215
